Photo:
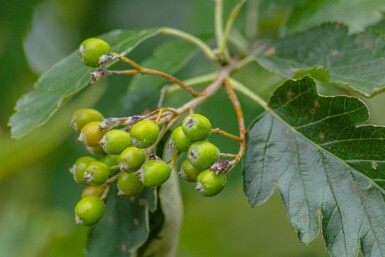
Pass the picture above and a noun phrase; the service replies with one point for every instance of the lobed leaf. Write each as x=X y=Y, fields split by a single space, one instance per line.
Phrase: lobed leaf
x=327 y=165
x=329 y=52
x=357 y=14
x=64 y=80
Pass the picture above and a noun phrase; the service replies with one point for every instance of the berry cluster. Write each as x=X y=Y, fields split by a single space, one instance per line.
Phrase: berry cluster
x=121 y=155
x=123 y=149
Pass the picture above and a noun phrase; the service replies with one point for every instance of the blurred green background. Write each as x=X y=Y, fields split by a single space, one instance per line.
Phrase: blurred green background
x=37 y=193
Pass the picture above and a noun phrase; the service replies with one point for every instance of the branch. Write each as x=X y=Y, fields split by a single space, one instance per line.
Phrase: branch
x=241 y=123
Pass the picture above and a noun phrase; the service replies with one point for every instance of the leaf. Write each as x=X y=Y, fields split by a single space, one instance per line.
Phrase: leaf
x=164 y=240
x=355 y=60
x=326 y=163
x=124 y=227
x=64 y=80
x=357 y=14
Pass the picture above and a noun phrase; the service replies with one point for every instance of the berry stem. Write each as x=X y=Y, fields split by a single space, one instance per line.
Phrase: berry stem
x=143 y=70
x=233 y=15
x=229 y=155
x=226 y=134
x=188 y=37
x=127 y=60
x=219 y=23
x=241 y=123
x=170 y=78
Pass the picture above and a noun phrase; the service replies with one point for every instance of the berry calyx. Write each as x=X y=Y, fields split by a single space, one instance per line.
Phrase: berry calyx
x=179 y=140
x=209 y=183
x=202 y=154
x=196 y=127
x=83 y=116
x=96 y=173
x=93 y=190
x=188 y=171
x=91 y=50
x=115 y=141
x=89 y=210
x=80 y=167
x=154 y=173
x=144 y=133
x=91 y=134
x=129 y=184
x=131 y=159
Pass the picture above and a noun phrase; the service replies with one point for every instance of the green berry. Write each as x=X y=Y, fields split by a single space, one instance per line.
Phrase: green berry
x=83 y=116
x=93 y=190
x=144 y=133
x=202 y=154
x=131 y=159
x=89 y=210
x=91 y=134
x=188 y=171
x=96 y=150
x=80 y=167
x=113 y=162
x=91 y=50
x=179 y=140
x=96 y=173
x=115 y=141
x=196 y=127
x=129 y=184
x=209 y=183
x=154 y=173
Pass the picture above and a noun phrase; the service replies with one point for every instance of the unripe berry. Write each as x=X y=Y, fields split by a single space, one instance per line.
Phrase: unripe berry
x=89 y=210
x=83 y=116
x=80 y=167
x=202 y=154
x=129 y=184
x=113 y=162
x=144 y=133
x=91 y=50
x=179 y=140
x=95 y=150
x=93 y=190
x=154 y=173
x=96 y=173
x=91 y=134
x=188 y=171
x=115 y=141
x=196 y=127
x=209 y=183
x=131 y=159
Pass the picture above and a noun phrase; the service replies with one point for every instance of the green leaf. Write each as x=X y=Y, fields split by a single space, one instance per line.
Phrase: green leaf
x=326 y=163
x=64 y=80
x=164 y=240
x=357 y=14
x=355 y=60
x=124 y=227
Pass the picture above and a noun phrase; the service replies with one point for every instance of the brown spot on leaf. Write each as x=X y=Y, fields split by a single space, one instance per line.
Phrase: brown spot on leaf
x=270 y=51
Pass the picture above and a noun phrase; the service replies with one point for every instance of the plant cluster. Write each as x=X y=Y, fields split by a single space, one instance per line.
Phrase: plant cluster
x=124 y=148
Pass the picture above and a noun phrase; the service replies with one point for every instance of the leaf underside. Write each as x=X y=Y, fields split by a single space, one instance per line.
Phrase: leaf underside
x=327 y=52
x=326 y=165
x=63 y=80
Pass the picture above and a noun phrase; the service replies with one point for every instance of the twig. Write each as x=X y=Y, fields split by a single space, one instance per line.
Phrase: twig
x=241 y=123
x=226 y=134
